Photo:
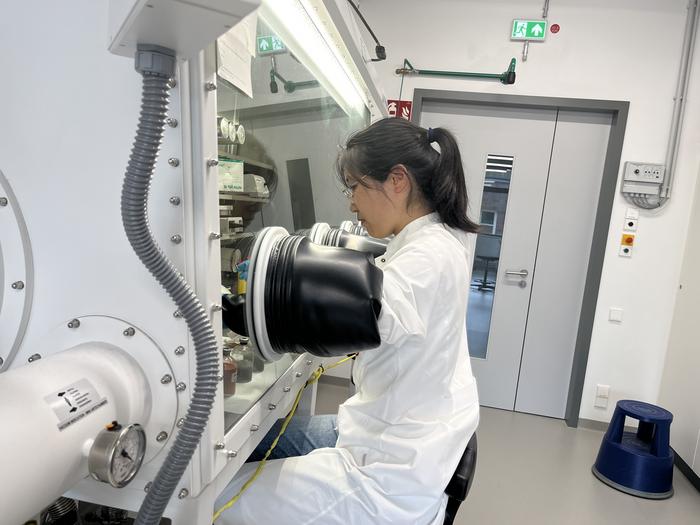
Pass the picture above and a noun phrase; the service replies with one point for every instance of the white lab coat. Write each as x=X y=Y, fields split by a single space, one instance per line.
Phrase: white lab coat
x=415 y=408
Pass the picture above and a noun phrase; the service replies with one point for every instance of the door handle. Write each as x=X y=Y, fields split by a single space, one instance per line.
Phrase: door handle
x=516 y=273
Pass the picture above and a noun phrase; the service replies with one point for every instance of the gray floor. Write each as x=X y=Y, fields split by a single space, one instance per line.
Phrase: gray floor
x=535 y=470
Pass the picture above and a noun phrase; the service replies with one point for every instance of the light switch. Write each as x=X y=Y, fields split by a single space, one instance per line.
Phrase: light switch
x=616 y=315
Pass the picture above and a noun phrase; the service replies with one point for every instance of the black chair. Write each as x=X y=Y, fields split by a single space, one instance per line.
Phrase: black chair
x=487 y=250
x=458 y=487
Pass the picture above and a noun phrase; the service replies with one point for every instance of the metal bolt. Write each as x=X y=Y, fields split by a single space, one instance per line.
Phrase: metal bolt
x=172 y=83
x=180 y=387
x=216 y=307
x=34 y=357
x=73 y=323
x=180 y=350
x=148 y=486
x=176 y=239
x=180 y=422
x=309 y=362
x=3 y=201
x=166 y=379
x=162 y=436
x=175 y=201
x=231 y=454
x=298 y=374
x=129 y=332
x=219 y=378
x=174 y=162
x=271 y=406
x=18 y=285
x=172 y=122
x=214 y=236
x=220 y=445
x=212 y=162
x=209 y=86
x=177 y=314
x=254 y=428
x=183 y=493
x=287 y=388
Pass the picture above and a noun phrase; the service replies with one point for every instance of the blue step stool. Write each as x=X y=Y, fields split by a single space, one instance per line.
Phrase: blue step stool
x=638 y=463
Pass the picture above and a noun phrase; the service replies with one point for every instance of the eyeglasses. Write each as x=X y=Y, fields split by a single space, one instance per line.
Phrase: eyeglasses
x=350 y=190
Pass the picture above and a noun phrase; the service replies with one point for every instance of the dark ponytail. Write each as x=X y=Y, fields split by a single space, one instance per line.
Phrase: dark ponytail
x=374 y=151
x=448 y=186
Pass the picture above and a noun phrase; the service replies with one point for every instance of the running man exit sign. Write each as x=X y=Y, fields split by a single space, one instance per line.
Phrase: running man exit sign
x=534 y=30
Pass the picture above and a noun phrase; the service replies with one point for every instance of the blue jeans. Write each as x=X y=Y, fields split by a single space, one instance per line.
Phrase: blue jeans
x=303 y=434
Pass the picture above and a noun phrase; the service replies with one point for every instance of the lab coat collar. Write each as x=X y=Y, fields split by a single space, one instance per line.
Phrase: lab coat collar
x=405 y=235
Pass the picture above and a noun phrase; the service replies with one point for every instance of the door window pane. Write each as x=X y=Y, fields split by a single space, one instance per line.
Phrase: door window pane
x=487 y=253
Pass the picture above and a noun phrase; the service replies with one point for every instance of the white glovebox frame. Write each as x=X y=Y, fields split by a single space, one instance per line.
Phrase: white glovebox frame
x=82 y=264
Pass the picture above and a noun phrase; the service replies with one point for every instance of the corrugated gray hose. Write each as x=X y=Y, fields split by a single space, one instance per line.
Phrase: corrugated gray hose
x=157 y=65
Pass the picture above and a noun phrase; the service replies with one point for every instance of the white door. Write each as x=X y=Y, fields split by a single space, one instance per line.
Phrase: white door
x=527 y=250
x=524 y=136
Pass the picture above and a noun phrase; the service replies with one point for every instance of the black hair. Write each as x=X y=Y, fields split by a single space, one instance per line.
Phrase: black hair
x=374 y=151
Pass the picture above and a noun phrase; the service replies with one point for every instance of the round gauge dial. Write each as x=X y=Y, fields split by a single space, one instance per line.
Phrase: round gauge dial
x=240 y=134
x=117 y=453
x=224 y=127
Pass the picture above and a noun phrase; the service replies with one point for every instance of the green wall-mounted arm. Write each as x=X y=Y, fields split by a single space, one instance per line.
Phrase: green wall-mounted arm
x=507 y=77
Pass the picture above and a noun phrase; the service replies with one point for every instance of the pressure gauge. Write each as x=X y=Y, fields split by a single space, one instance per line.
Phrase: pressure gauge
x=117 y=453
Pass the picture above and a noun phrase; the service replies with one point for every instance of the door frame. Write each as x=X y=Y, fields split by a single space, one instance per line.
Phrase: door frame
x=618 y=109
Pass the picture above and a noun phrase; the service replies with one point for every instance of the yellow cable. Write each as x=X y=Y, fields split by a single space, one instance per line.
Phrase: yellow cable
x=312 y=379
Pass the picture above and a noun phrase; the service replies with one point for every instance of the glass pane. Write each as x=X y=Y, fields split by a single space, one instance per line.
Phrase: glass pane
x=277 y=152
x=487 y=253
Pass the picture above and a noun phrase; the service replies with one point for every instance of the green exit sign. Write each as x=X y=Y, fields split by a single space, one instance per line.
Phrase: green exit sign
x=267 y=45
x=528 y=30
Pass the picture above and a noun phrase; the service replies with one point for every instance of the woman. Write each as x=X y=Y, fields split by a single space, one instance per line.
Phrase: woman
x=399 y=438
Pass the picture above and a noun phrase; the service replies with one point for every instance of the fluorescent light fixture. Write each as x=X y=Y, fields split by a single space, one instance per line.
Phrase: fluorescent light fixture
x=306 y=29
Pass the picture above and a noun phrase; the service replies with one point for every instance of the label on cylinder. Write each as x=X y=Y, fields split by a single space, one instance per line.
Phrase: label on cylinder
x=74 y=402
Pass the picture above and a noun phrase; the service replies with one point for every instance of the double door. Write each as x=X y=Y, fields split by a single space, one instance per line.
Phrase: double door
x=533 y=179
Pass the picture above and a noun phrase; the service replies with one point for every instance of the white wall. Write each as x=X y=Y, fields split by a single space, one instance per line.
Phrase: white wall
x=606 y=49
x=680 y=388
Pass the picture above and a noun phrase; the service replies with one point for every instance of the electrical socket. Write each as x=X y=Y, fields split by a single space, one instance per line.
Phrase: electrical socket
x=643 y=172
x=602 y=391
x=601 y=402
x=602 y=394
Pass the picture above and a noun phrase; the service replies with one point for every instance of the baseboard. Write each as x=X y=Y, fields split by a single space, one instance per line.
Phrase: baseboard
x=601 y=426
x=592 y=424
x=686 y=470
